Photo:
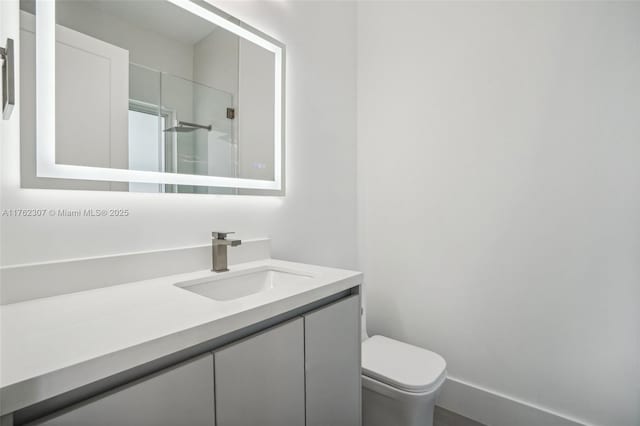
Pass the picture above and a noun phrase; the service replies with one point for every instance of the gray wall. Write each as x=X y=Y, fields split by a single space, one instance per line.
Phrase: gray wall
x=500 y=198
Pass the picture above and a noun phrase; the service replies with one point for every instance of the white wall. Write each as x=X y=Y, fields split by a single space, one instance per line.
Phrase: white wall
x=314 y=222
x=499 y=186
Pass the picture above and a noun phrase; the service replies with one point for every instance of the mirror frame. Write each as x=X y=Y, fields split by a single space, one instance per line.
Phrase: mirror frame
x=46 y=165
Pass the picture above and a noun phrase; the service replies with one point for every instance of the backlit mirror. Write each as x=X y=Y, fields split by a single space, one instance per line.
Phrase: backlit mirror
x=152 y=96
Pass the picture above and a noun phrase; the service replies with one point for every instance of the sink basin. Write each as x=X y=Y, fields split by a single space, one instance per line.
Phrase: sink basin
x=237 y=286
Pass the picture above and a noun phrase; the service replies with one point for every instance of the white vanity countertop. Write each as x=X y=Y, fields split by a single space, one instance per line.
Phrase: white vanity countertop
x=56 y=344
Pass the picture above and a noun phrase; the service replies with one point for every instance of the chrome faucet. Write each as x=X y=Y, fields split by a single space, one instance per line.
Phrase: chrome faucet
x=219 y=245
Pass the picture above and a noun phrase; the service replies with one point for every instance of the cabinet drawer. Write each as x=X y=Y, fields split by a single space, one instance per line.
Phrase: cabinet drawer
x=180 y=395
x=332 y=359
x=260 y=380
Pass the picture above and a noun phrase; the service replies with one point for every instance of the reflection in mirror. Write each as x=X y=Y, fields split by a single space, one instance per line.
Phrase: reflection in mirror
x=150 y=86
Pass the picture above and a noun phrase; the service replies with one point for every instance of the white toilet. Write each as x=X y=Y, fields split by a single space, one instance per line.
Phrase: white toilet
x=400 y=382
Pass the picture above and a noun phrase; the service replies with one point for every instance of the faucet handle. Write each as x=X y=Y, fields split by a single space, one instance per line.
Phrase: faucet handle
x=217 y=235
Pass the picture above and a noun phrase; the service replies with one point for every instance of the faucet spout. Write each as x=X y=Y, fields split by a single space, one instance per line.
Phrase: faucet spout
x=219 y=244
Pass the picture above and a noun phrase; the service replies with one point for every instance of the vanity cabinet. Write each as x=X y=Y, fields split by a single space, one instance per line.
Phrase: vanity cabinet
x=303 y=371
x=332 y=364
x=180 y=395
x=260 y=380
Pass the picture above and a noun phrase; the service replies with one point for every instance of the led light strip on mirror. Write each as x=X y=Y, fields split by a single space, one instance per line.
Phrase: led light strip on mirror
x=46 y=114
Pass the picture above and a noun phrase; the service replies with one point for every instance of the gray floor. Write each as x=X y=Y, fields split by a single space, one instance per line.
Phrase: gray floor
x=444 y=417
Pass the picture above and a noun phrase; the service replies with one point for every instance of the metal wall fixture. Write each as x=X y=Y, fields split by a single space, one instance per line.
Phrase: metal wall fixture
x=184 y=127
x=8 y=79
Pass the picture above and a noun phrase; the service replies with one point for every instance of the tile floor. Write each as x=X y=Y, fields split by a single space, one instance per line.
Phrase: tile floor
x=444 y=417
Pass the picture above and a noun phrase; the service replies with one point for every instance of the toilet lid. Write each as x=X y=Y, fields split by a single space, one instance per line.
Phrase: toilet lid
x=401 y=365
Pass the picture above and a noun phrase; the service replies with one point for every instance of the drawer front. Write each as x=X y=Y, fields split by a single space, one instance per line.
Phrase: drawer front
x=332 y=358
x=260 y=380
x=180 y=395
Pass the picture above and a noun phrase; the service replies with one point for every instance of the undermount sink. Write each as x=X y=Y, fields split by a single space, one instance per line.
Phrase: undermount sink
x=237 y=286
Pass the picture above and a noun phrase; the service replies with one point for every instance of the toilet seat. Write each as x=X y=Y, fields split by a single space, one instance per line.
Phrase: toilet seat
x=401 y=365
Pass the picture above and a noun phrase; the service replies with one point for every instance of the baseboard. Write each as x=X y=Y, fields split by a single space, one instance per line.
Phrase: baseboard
x=19 y=283
x=495 y=409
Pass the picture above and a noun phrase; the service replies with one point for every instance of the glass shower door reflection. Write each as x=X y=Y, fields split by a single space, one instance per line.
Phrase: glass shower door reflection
x=199 y=137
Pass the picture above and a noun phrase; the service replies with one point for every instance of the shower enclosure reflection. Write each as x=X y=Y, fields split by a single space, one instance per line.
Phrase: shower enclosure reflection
x=149 y=86
x=179 y=126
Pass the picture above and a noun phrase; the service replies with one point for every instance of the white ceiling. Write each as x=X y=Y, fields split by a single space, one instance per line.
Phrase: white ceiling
x=160 y=17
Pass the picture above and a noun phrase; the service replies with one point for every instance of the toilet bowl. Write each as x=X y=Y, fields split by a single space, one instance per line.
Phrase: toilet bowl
x=400 y=382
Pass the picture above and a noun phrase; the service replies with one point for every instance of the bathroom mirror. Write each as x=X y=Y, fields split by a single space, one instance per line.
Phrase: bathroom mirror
x=150 y=96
